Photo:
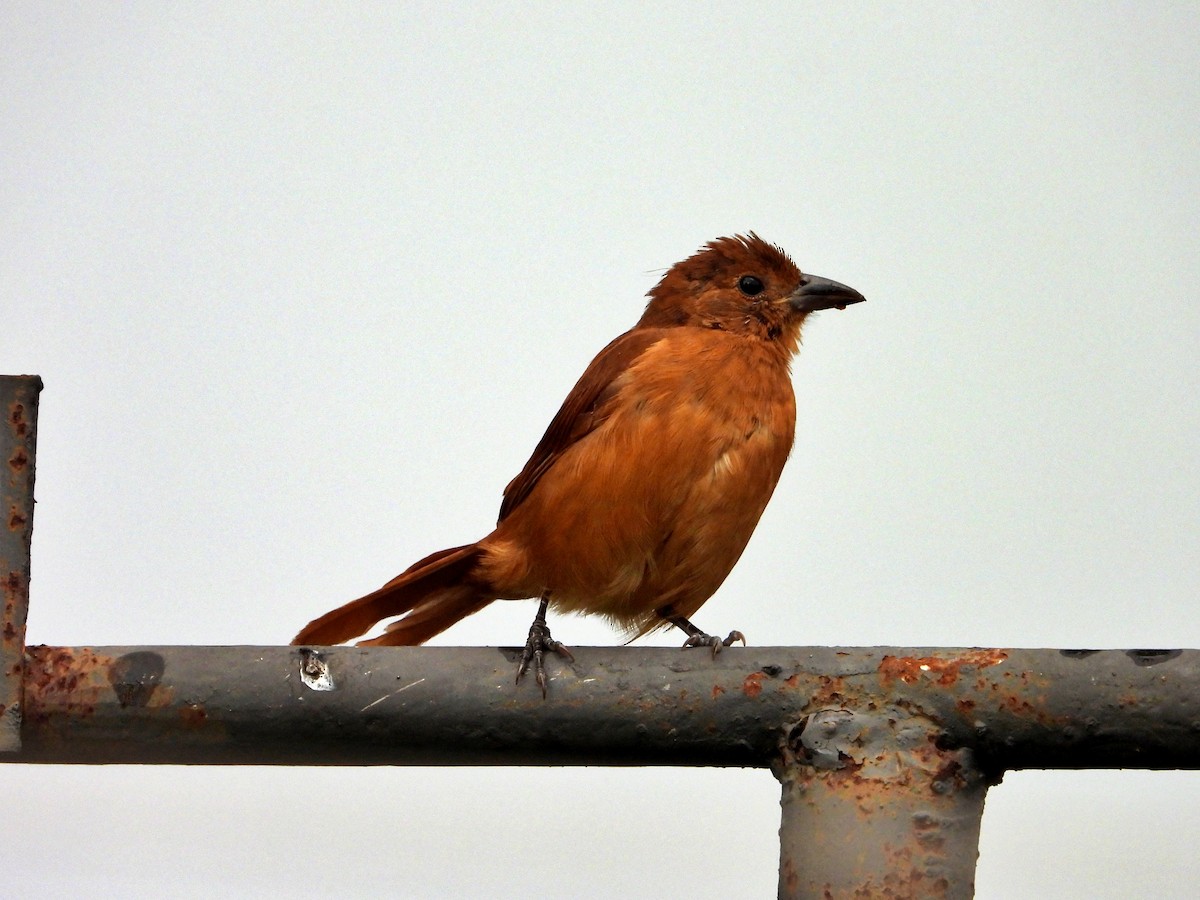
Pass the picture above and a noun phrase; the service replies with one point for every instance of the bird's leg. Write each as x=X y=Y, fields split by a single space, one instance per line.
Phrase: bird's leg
x=697 y=638
x=536 y=645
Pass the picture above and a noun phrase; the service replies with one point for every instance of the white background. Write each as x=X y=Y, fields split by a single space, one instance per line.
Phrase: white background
x=306 y=283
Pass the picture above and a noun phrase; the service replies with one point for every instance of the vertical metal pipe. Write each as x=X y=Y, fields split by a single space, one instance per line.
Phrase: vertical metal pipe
x=873 y=807
x=18 y=441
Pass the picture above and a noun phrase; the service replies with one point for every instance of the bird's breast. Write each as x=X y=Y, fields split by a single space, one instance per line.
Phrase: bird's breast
x=666 y=490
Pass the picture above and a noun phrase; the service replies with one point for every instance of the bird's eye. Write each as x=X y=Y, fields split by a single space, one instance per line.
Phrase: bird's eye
x=750 y=285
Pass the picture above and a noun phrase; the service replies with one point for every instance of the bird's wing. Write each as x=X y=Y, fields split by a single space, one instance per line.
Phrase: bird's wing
x=582 y=411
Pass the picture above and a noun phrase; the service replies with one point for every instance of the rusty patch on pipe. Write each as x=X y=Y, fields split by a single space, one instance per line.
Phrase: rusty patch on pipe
x=19 y=460
x=752 y=685
x=789 y=878
x=16 y=418
x=65 y=680
x=193 y=715
x=939 y=670
x=831 y=690
x=911 y=883
x=12 y=585
x=14 y=597
x=73 y=681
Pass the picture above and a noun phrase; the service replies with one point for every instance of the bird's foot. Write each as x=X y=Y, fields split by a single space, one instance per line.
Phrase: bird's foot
x=537 y=645
x=700 y=639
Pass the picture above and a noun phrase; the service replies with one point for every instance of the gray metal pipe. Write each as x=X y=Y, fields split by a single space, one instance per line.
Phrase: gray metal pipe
x=639 y=706
x=18 y=443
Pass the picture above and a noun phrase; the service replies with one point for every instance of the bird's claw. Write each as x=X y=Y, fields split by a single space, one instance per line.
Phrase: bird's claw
x=537 y=645
x=714 y=642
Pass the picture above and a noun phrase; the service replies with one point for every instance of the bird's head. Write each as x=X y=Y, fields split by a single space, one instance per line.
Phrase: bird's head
x=744 y=285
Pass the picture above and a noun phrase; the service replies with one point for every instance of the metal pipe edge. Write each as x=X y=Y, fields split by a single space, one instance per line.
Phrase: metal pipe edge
x=18 y=445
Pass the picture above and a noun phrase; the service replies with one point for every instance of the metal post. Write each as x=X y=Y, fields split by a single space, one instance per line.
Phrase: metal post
x=18 y=440
x=874 y=807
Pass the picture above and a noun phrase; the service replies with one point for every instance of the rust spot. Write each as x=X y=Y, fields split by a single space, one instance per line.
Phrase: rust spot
x=65 y=681
x=909 y=881
x=830 y=690
x=19 y=460
x=790 y=878
x=752 y=686
x=943 y=672
x=193 y=715
x=965 y=706
x=792 y=681
x=717 y=691
x=849 y=773
x=16 y=519
x=1019 y=706
x=949 y=775
x=16 y=419
x=931 y=841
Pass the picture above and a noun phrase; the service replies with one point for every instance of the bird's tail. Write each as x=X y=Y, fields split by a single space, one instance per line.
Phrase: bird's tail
x=435 y=592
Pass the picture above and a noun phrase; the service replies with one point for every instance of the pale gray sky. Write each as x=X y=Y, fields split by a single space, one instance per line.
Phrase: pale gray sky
x=306 y=283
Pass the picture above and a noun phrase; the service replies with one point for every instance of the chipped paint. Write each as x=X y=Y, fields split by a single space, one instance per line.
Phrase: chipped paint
x=940 y=670
x=752 y=684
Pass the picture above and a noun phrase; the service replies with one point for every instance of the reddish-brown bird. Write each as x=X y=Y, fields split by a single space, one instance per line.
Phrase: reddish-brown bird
x=646 y=487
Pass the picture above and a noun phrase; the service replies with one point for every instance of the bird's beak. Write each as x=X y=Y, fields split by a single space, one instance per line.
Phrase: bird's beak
x=817 y=293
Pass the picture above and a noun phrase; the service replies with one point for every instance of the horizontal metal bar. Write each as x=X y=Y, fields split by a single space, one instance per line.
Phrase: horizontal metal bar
x=641 y=706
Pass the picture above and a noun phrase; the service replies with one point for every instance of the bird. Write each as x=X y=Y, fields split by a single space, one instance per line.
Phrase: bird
x=643 y=492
